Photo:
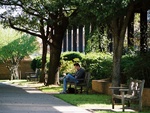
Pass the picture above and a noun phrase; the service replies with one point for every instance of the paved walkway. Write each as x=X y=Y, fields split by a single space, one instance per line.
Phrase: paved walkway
x=14 y=99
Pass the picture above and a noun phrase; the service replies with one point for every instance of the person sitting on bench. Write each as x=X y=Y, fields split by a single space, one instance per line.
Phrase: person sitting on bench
x=80 y=74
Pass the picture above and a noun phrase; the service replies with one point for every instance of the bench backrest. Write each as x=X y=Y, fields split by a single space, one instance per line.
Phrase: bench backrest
x=87 y=78
x=136 y=87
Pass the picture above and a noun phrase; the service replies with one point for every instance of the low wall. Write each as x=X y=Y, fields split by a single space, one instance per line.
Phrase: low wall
x=146 y=97
x=102 y=86
x=24 y=67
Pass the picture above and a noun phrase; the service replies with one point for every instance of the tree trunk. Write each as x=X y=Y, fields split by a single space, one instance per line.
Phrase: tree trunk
x=57 y=82
x=55 y=50
x=118 y=27
x=143 y=29
x=109 y=37
x=13 y=72
x=16 y=73
x=117 y=50
x=131 y=32
x=54 y=63
x=44 y=53
x=118 y=39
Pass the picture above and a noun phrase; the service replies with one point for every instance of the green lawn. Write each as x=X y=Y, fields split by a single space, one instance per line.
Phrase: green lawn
x=84 y=99
x=91 y=100
x=50 y=89
x=88 y=101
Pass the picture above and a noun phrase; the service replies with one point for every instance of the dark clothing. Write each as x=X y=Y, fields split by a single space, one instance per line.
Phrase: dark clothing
x=80 y=74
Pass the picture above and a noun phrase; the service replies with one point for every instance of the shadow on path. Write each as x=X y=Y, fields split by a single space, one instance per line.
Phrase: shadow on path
x=14 y=99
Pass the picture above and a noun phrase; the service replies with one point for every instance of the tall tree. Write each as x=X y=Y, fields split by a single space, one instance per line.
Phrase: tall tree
x=47 y=19
x=14 y=46
x=116 y=14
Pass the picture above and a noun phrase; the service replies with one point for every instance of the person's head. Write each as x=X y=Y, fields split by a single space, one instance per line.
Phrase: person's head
x=77 y=66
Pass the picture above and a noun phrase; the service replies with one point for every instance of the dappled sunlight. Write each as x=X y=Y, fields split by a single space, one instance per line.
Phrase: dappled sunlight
x=106 y=108
x=18 y=99
x=94 y=106
x=95 y=103
x=103 y=107
x=31 y=90
x=69 y=109
x=86 y=99
x=52 y=89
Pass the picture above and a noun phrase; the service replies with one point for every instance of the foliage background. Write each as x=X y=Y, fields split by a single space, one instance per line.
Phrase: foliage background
x=100 y=65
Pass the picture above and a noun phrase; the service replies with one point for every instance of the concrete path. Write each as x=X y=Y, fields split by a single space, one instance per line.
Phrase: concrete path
x=14 y=99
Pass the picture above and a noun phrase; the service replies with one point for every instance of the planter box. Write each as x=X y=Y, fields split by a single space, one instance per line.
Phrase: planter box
x=146 y=97
x=102 y=86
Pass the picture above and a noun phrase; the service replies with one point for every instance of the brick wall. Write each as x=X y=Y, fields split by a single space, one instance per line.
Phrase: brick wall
x=146 y=97
x=24 y=67
x=101 y=86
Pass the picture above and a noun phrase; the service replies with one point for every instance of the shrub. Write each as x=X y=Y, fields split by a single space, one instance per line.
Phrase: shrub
x=98 y=64
x=67 y=61
x=127 y=62
x=67 y=67
x=72 y=56
x=36 y=63
x=137 y=67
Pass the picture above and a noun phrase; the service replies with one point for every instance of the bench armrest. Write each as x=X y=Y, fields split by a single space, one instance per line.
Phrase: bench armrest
x=117 y=88
x=124 y=90
x=29 y=72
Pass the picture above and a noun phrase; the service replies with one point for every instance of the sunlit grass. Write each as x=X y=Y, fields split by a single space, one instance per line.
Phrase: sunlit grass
x=84 y=99
x=13 y=81
x=51 y=89
x=18 y=82
x=112 y=112
x=22 y=82
x=120 y=112
x=92 y=101
x=4 y=80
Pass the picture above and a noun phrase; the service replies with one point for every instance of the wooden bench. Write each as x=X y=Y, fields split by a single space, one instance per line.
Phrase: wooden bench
x=85 y=83
x=33 y=75
x=134 y=93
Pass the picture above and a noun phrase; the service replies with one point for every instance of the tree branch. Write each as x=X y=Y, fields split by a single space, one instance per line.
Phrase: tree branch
x=23 y=30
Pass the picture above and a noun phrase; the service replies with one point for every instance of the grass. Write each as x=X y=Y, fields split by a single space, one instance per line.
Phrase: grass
x=85 y=100
x=22 y=82
x=88 y=101
x=94 y=101
x=50 y=89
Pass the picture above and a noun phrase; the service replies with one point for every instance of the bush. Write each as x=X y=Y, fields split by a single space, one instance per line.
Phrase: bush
x=67 y=61
x=137 y=67
x=98 y=64
x=67 y=67
x=36 y=63
x=72 y=56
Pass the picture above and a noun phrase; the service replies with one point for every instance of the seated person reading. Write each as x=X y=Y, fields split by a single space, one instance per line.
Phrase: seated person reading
x=80 y=74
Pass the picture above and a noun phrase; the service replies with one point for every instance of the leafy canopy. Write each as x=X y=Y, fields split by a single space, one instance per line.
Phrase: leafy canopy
x=15 y=45
x=31 y=15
